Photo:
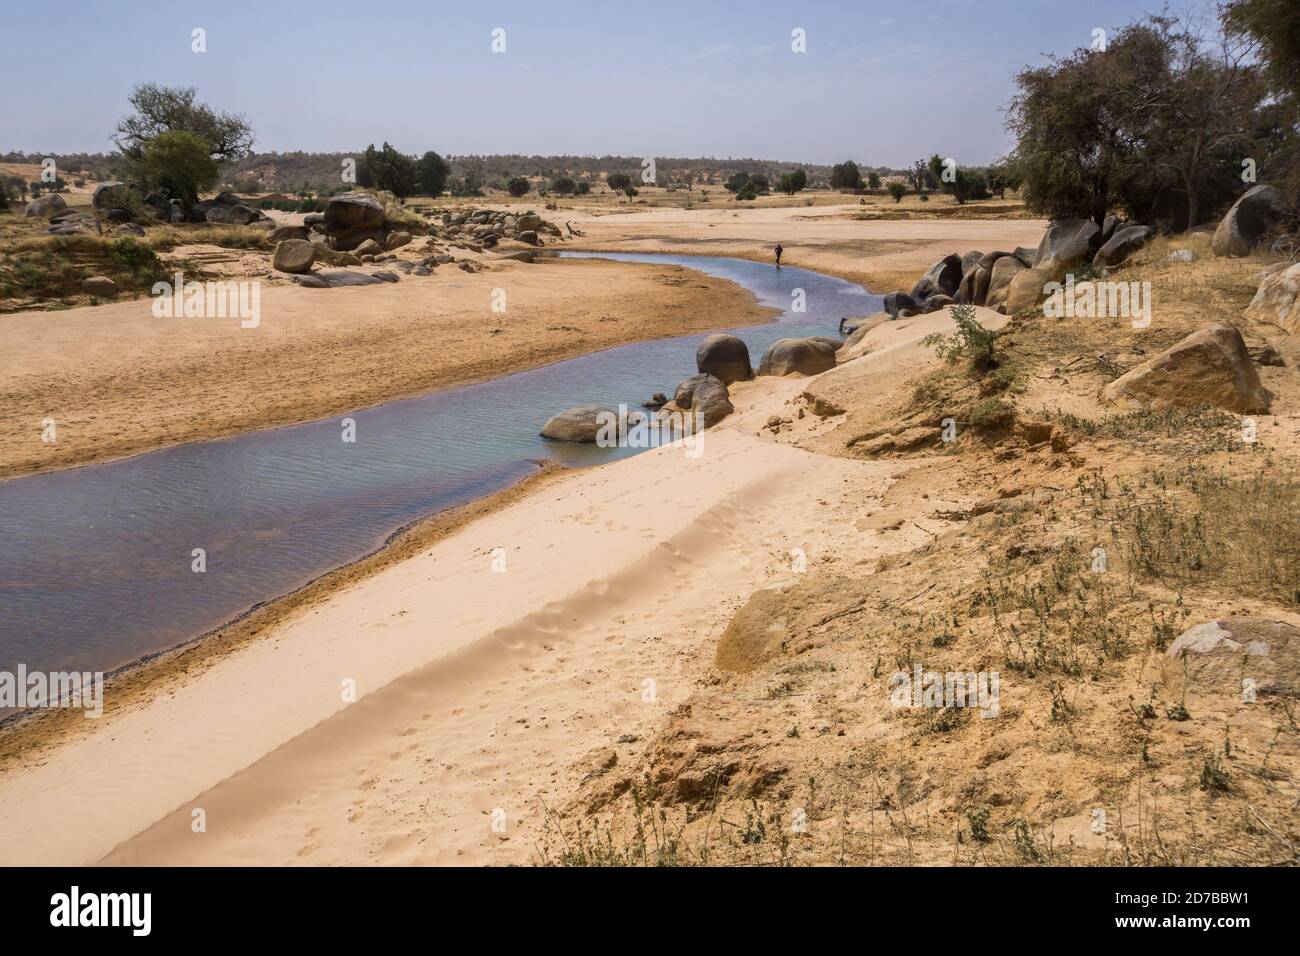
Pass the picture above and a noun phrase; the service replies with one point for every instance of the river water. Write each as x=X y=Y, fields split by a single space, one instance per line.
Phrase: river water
x=96 y=562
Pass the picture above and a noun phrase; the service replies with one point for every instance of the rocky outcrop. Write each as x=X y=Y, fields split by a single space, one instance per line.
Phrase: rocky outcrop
x=99 y=286
x=900 y=304
x=797 y=357
x=1067 y=243
x=582 y=423
x=1278 y=299
x=334 y=278
x=1124 y=241
x=48 y=205
x=1209 y=367
x=942 y=278
x=1004 y=271
x=294 y=255
x=726 y=357
x=281 y=233
x=1237 y=656
x=710 y=401
x=352 y=218
x=1250 y=217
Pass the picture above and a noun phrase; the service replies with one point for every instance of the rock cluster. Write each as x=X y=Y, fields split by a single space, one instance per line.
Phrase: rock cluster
x=487 y=227
x=1009 y=282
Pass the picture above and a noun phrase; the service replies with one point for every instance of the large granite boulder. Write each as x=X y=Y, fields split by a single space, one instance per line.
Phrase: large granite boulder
x=1278 y=299
x=1247 y=221
x=1209 y=367
x=942 y=278
x=1124 y=241
x=104 y=192
x=1026 y=290
x=1004 y=269
x=47 y=206
x=709 y=400
x=582 y=423
x=726 y=357
x=797 y=357
x=294 y=255
x=1067 y=243
x=352 y=218
x=896 y=303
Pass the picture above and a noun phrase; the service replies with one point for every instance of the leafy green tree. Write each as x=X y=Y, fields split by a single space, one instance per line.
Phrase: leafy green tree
x=791 y=183
x=431 y=171
x=618 y=182
x=162 y=109
x=873 y=180
x=897 y=190
x=737 y=182
x=563 y=185
x=845 y=175
x=179 y=164
x=584 y=188
x=389 y=169
x=518 y=186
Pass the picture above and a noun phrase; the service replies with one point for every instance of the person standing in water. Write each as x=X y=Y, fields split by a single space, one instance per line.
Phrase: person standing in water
x=779 y=250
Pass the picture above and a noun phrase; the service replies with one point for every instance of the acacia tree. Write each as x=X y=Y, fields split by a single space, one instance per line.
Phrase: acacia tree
x=161 y=109
x=178 y=163
x=387 y=168
x=431 y=170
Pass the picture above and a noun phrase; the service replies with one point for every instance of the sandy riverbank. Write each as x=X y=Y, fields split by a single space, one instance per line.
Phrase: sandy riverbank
x=477 y=690
x=118 y=381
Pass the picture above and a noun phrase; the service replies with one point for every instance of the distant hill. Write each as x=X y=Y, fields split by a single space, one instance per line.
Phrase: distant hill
x=320 y=172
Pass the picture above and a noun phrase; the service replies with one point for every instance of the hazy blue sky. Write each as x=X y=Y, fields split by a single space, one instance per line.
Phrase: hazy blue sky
x=882 y=82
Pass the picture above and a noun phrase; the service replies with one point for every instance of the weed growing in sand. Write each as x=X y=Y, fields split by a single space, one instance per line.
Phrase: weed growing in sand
x=971 y=341
x=978 y=818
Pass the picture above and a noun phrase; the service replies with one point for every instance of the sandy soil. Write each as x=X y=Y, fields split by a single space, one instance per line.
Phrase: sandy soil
x=478 y=690
x=117 y=380
x=883 y=255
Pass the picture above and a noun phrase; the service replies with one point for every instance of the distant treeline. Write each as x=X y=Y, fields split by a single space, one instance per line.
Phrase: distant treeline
x=316 y=173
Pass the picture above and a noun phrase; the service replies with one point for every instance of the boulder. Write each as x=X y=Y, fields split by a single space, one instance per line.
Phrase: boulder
x=724 y=356
x=1278 y=300
x=99 y=197
x=1108 y=228
x=1247 y=221
x=942 y=278
x=710 y=401
x=99 y=286
x=529 y=221
x=1025 y=290
x=989 y=258
x=685 y=393
x=397 y=239
x=897 y=302
x=1004 y=270
x=1209 y=367
x=1125 y=241
x=333 y=278
x=1069 y=242
x=1237 y=656
x=530 y=237
x=160 y=206
x=281 y=233
x=850 y=326
x=294 y=255
x=581 y=423
x=797 y=357
x=351 y=218
x=47 y=206
x=368 y=247
x=862 y=328
x=936 y=302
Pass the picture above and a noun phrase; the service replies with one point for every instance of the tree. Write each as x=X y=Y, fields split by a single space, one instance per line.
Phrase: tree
x=517 y=186
x=873 y=180
x=584 y=188
x=618 y=182
x=897 y=190
x=389 y=169
x=845 y=175
x=431 y=171
x=161 y=109
x=563 y=185
x=1077 y=121
x=791 y=183
x=737 y=182
x=178 y=164
x=760 y=185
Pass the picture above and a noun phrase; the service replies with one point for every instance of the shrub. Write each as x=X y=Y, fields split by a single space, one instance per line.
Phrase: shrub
x=518 y=186
x=179 y=164
x=897 y=190
x=563 y=185
x=971 y=341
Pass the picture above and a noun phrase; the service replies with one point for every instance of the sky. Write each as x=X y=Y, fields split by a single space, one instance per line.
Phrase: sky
x=880 y=82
